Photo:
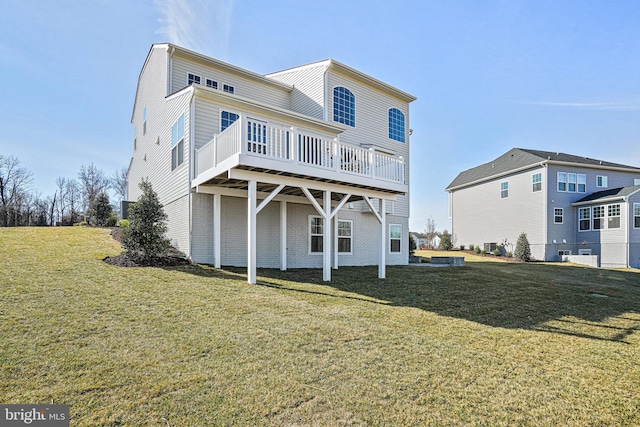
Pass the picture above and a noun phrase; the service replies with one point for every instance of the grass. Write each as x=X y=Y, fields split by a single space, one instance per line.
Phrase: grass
x=491 y=343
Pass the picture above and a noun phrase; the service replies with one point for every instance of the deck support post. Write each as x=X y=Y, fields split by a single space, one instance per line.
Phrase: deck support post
x=335 y=242
x=216 y=231
x=283 y=235
x=252 y=213
x=326 y=238
x=383 y=240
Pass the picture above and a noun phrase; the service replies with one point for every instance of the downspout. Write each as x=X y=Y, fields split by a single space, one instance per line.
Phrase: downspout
x=325 y=77
x=170 y=71
x=545 y=208
x=192 y=164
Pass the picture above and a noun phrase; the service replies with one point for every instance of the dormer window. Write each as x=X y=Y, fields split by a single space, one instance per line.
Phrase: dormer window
x=344 y=106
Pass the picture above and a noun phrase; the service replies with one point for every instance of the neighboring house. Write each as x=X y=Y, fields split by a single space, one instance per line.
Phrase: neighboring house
x=568 y=205
x=288 y=170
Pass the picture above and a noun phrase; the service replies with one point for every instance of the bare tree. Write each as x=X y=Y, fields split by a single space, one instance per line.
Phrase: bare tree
x=61 y=183
x=430 y=231
x=93 y=181
x=14 y=183
x=73 y=199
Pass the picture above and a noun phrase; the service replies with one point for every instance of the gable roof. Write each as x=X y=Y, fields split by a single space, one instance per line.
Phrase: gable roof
x=518 y=159
x=608 y=195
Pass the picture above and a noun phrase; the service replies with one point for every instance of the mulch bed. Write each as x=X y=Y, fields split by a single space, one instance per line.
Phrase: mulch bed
x=175 y=258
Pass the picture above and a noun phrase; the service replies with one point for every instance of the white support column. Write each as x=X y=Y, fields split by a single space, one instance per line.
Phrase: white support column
x=217 y=255
x=283 y=235
x=326 y=238
x=335 y=242
x=383 y=240
x=252 y=214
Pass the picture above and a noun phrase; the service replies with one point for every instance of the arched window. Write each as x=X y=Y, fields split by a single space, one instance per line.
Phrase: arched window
x=396 y=124
x=344 y=106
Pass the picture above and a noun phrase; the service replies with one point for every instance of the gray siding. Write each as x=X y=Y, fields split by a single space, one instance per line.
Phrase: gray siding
x=481 y=216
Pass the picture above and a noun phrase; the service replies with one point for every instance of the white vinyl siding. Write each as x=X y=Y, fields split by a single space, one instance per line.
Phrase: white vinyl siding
x=307 y=96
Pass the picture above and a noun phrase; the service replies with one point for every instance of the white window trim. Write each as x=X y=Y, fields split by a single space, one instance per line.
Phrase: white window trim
x=355 y=122
x=558 y=181
x=220 y=117
x=635 y=206
x=584 y=251
x=389 y=239
x=561 y=252
x=309 y=235
x=590 y=219
x=206 y=83
x=614 y=216
x=177 y=143
x=603 y=218
x=605 y=181
x=194 y=75
x=350 y=237
x=561 y=215
x=501 y=190
x=534 y=183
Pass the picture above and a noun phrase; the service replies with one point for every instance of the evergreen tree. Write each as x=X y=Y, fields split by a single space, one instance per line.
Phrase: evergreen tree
x=100 y=210
x=523 y=250
x=446 y=242
x=144 y=239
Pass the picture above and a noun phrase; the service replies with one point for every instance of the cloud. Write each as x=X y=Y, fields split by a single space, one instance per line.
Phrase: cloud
x=200 y=25
x=586 y=105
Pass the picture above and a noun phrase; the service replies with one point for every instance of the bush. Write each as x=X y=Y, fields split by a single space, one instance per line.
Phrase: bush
x=472 y=248
x=509 y=255
x=80 y=224
x=497 y=252
x=124 y=223
x=100 y=211
x=112 y=221
x=523 y=250
x=144 y=238
x=462 y=247
x=478 y=250
x=446 y=244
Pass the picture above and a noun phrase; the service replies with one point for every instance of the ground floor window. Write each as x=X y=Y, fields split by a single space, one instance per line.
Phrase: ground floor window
x=316 y=231
x=395 y=238
x=562 y=252
x=345 y=235
x=613 y=212
x=584 y=216
x=598 y=217
x=636 y=215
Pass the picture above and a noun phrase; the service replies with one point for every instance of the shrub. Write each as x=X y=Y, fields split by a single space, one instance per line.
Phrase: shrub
x=446 y=244
x=462 y=247
x=112 y=221
x=523 y=250
x=100 y=210
x=80 y=224
x=497 y=252
x=144 y=238
x=124 y=223
x=472 y=248
x=478 y=250
x=509 y=255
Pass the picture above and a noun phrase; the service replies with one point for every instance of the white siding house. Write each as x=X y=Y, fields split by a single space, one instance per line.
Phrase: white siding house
x=567 y=205
x=287 y=170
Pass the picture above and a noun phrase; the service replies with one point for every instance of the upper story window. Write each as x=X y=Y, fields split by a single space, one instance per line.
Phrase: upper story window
x=636 y=215
x=602 y=181
x=536 y=182
x=396 y=124
x=636 y=181
x=613 y=213
x=584 y=217
x=344 y=106
x=227 y=119
x=212 y=84
x=504 y=190
x=228 y=89
x=144 y=121
x=572 y=182
x=558 y=215
x=192 y=78
x=177 y=143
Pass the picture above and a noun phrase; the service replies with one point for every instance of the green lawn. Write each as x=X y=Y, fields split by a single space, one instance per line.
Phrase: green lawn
x=488 y=344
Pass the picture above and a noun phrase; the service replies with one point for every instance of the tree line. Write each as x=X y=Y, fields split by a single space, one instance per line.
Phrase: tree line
x=77 y=199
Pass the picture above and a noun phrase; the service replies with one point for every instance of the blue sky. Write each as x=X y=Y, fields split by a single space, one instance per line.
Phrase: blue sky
x=489 y=75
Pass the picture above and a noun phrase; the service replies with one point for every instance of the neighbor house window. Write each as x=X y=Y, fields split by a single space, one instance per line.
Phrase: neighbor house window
x=562 y=181
x=536 y=182
x=395 y=237
x=177 y=143
x=315 y=234
x=598 y=217
x=192 y=78
x=212 y=84
x=613 y=214
x=584 y=217
x=558 y=215
x=504 y=190
x=134 y=131
x=227 y=119
x=563 y=252
x=344 y=106
x=144 y=121
x=345 y=235
x=228 y=89
x=602 y=181
x=636 y=215
x=396 y=124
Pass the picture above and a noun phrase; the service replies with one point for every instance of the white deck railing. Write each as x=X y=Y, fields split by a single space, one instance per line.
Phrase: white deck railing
x=268 y=140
